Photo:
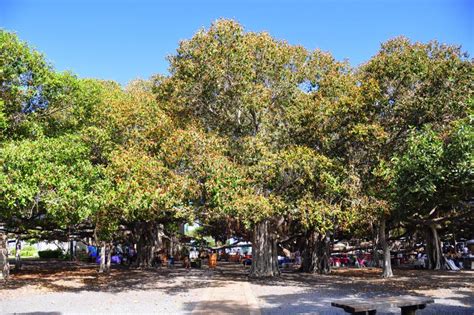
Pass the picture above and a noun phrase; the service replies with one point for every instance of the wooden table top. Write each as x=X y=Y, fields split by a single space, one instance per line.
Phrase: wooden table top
x=371 y=304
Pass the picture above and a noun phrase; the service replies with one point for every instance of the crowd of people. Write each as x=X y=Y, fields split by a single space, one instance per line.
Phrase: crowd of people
x=457 y=257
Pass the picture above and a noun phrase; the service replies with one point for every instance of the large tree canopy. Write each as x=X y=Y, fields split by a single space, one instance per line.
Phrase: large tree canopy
x=247 y=135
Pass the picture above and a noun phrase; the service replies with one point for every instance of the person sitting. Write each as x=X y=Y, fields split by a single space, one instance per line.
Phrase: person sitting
x=420 y=261
x=132 y=255
x=238 y=256
x=360 y=262
x=92 y=253
x=247 y=260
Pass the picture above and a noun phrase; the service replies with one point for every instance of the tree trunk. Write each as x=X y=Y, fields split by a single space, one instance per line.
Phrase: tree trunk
x=160 y=234
x=4 y=266
x=309 y=254
x=316 y=254
x=387 y=263
x=108 y=259
x=433 y=248
x=148 y=239
x=174 y=242
x=324 y=252
x=264 y=252
x=375 y=248
x=72 y=251
x=103 y=267
x=18 y=254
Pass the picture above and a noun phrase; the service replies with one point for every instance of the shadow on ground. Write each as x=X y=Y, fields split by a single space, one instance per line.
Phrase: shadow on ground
x=454 y=290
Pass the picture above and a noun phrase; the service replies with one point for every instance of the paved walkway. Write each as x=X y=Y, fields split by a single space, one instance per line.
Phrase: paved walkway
x=228 y=297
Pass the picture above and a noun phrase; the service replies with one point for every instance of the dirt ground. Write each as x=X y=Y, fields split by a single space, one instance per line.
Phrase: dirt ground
x=58 y=287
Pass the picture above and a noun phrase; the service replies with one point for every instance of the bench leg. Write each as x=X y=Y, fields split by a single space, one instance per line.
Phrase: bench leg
x=374 y=312
x=411 y=310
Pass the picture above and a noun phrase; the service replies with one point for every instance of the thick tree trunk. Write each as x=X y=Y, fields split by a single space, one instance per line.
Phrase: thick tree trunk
x=4 y=266
x=309 y=254
x=324 y=252
x=316 y=253
x=264 y=252
x=433 y=248
x=148 y=238
x=387 y=263
x=18 y=254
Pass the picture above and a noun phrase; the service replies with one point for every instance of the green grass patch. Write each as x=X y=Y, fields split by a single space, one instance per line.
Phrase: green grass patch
x=26 y=252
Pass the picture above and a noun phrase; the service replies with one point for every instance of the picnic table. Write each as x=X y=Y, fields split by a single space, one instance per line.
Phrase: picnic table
x=407 y=304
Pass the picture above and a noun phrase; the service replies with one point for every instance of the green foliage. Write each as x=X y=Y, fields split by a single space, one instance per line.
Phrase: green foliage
x=51 y=176
x=234 y=81
x=404 y=88
x=3 y=119
x=245 y=128
x=23 y=73
x=419 y=83
x=26 y=252
x=50 y=254
x=145 y=188
x=436 y=171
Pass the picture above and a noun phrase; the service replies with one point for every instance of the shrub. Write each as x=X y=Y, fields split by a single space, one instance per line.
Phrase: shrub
x=82 y=256
x=56 y=253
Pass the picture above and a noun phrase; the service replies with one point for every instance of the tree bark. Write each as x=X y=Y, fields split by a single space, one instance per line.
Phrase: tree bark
x=433 y=248
x=375 y=248
x=160 y=234
x=324 y=252
x=148 y=240
x=174 y=243
x=108 y=255
x=72 y=251
x=17 y=254
x=4 y=266
x=387 y=263
x=264 y=252
x=103 y=267
x=316 y=253
x=309 y=253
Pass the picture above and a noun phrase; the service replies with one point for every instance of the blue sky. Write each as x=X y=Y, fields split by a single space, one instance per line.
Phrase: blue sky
x=123 y=40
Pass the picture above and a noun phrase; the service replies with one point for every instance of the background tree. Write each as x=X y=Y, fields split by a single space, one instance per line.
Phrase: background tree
x=434 y=182
x=404 y=87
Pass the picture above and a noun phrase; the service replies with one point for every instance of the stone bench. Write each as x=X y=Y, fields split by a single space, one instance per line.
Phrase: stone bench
x=407 y=304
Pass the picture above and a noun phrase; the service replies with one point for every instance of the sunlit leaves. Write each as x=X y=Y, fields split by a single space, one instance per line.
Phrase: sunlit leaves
x=436 y=170
x=23 y=73
x=53 y=177
x=234 y=81
x=145 y=188
x=244 y=128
